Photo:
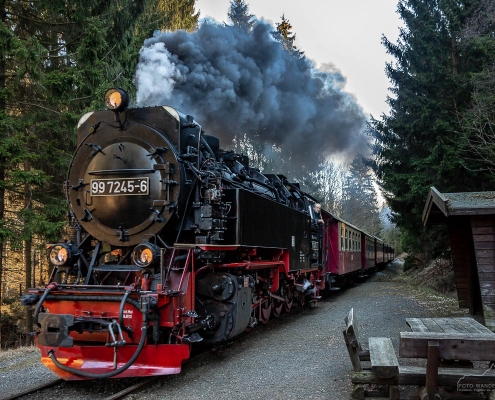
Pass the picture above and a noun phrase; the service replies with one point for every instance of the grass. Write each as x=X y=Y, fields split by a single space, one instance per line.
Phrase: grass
x=21 y=357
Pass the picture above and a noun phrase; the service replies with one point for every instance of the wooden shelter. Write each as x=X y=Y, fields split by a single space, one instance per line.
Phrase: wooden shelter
x=470 y=219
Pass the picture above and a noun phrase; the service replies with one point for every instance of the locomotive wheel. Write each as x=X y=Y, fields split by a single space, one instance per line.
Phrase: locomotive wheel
x=265 y=310
x=288 y=294
x=301 y=299
x=277 y=307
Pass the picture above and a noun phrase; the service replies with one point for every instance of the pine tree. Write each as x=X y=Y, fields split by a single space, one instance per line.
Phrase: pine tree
x=239 y=15
x=170 y=15
x=57 y=58
x=419 y=145
x=285 y=36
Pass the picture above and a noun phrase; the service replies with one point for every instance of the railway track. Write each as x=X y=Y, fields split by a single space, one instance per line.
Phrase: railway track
x=35 y=389
x=131 y=389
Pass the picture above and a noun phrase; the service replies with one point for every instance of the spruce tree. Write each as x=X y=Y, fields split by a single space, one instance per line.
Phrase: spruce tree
x=239 y=15
x=167 y=15
x=182 y=15
x=419 y=144
x=285 y=36
x=57 y=58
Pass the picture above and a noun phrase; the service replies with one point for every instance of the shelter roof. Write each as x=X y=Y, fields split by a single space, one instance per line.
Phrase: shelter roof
x=439 y=206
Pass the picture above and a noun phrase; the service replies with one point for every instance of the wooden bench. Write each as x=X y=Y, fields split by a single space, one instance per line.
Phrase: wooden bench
x=384 y=366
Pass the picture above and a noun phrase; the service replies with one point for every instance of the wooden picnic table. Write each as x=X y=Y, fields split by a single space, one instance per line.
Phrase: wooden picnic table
x=450 y=343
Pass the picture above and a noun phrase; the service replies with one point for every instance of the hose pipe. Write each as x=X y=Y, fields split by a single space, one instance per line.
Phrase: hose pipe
x=85 y=374
x=144 y=332
x=40 y=302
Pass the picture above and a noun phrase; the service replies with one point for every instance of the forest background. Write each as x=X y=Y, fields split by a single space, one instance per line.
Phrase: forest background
x=57 y=59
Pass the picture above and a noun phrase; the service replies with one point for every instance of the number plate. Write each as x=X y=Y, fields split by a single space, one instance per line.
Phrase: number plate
x=120 y=187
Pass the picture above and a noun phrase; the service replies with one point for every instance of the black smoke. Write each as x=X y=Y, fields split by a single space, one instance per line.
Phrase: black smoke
x=236 y=83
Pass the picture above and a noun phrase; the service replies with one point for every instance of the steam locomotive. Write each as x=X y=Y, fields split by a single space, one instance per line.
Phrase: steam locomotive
x=172 y=241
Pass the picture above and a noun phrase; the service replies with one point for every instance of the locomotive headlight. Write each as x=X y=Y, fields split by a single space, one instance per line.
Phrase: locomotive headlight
x=145 y=254
x=116 y=99
x=62 y=254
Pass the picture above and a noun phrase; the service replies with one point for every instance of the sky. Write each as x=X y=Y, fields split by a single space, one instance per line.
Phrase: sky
x=344 y=33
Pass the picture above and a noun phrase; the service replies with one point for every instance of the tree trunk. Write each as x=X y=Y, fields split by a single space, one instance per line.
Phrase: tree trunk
x=28 y=245
x=2 y=165
x=455 y=60
x=28 y=250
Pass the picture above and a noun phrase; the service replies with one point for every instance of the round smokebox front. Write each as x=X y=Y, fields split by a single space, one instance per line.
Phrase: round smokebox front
x=122 y=184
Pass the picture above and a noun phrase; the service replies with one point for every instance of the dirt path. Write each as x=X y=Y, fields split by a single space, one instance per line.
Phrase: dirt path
x=304 y=356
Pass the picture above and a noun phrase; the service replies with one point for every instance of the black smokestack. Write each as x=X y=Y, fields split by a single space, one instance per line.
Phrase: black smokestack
x=237 y=83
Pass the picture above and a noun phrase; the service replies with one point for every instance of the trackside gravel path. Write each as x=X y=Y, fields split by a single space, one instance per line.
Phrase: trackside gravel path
x=300 y=356
x=303 y=355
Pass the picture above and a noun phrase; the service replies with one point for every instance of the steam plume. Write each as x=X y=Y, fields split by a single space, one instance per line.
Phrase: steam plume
x=234 y=82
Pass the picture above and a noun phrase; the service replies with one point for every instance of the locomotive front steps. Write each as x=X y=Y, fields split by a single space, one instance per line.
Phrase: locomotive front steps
x=117 y=268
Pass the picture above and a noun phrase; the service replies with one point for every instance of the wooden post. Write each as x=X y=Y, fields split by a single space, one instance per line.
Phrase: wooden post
x=357 y=392
x=432 y=369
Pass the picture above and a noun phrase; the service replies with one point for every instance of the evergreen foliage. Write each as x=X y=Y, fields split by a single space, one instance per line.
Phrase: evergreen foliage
x=54 y=57
x=284 y=35
x=169 y=15
x=239 y=15
x=57 y=59
x=419 y=144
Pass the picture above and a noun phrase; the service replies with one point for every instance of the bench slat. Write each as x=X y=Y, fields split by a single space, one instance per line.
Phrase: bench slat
x=368 y=377
x=384 y=362
x=351 y=329
x=410 y=375
x=353 y=354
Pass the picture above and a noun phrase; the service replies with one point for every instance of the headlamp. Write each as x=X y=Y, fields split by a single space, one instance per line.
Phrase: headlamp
x=63 y=254
x=116 y=99
x=145 y=254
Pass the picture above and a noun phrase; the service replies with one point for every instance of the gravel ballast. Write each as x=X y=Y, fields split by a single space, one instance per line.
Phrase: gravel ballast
x=300 y=356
